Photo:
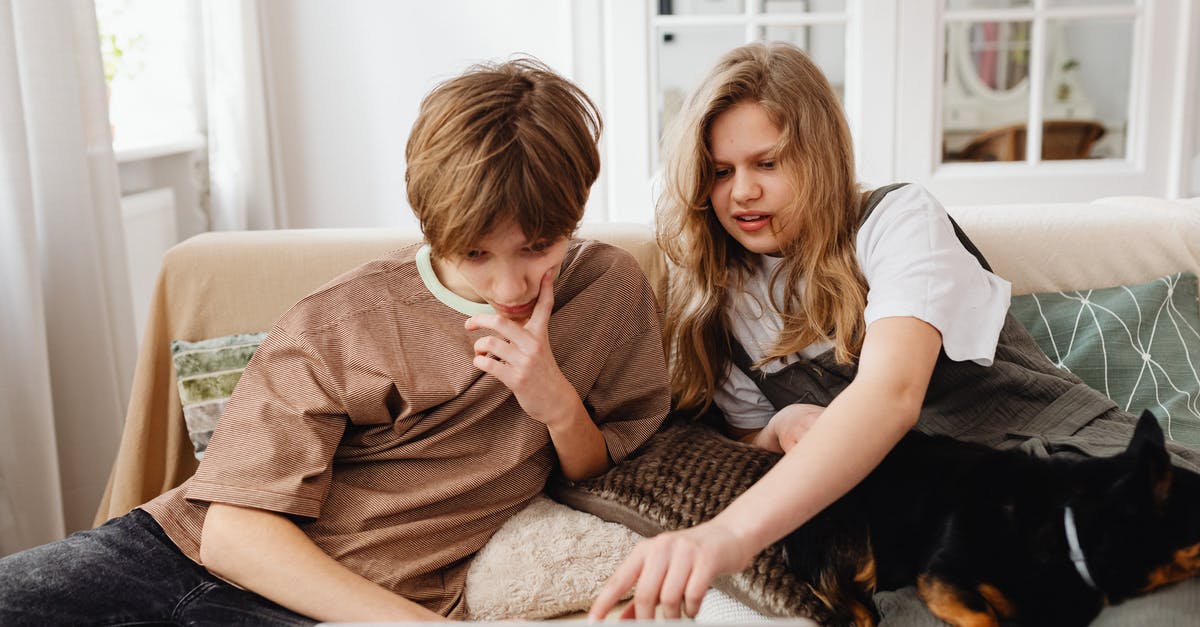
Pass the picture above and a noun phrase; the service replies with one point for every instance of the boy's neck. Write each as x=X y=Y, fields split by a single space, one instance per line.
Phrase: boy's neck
x=452 y=279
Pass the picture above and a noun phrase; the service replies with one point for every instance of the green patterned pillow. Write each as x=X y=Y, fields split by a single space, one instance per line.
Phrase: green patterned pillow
x=207 y=371
x=1139 y=344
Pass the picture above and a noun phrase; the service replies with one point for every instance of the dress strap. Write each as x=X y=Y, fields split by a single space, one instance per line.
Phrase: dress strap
x=874 y=199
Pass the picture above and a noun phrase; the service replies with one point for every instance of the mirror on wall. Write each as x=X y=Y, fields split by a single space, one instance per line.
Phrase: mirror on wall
x=986 y=97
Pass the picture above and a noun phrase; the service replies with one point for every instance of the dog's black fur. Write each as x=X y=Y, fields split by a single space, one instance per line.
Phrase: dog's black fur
x=981 y=532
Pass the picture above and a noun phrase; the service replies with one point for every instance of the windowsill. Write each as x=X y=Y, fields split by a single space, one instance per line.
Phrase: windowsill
x=140 y=151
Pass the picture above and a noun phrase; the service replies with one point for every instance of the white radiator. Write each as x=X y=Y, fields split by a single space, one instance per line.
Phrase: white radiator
x=149 y=218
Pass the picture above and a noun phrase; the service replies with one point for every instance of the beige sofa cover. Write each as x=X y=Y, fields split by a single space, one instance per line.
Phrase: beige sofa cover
x=236 y=282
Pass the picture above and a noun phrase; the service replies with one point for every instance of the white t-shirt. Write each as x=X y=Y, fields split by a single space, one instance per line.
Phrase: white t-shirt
x=914 y=266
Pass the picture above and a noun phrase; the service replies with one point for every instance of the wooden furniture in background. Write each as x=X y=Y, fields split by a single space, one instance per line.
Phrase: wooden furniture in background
x=1061 y=139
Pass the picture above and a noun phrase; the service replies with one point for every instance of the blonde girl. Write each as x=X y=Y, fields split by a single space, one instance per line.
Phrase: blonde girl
x=825 y=321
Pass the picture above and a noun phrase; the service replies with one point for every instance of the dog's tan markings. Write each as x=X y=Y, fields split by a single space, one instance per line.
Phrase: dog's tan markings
x=866 y=578
x=866 y=573
x=862 y=616
x=821 y=596
x=1185 y=564
x=947 y=603
x=995 y=598
x=1162 y=488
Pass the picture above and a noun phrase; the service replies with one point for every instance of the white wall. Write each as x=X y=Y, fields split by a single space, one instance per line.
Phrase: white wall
x=1195 y=175
x=347 y=78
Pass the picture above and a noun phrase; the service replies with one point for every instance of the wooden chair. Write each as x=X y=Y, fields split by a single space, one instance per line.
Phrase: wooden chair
x=1061 y=139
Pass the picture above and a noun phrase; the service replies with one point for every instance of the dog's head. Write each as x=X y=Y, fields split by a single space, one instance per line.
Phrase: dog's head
x=1139 y=526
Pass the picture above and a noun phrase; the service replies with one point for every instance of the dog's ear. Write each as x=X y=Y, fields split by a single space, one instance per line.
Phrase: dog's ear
x=1147 y=433
x=1153 y=463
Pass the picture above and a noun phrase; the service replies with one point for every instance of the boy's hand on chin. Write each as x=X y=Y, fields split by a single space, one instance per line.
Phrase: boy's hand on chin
x=521 y=358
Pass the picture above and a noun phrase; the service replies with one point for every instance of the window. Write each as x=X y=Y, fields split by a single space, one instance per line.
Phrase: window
x=646 y=78
x=147 y=47
x=1062 y=69
x=982 y=101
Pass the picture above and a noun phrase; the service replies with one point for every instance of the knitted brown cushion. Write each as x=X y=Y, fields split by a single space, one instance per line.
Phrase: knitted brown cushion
x=685 y=475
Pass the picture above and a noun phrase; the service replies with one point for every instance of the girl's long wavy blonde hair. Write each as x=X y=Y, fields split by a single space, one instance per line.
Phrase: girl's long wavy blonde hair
x=816 y=153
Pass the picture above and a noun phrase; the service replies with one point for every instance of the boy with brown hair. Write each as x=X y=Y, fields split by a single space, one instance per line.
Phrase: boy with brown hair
x=392 y=420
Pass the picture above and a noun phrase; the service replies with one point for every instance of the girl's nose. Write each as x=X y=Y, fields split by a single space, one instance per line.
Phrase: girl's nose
x=745 y=188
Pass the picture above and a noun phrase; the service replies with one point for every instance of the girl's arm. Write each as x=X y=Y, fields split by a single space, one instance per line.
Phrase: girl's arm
x=673 y=570
x=266 y=553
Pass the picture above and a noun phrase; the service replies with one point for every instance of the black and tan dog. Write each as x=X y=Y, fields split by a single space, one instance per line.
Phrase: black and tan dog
x=990 y=536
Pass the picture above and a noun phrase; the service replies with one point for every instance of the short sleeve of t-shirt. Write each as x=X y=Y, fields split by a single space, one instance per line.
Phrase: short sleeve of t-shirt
x=742 y=403
x=274 y=445
x=916 y=266
x=631 y=398
x=630 y=395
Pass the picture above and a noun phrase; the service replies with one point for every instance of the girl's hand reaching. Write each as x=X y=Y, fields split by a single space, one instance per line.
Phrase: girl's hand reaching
x=672 y=571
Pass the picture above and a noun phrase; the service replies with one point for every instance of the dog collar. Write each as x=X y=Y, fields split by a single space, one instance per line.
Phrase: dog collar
x=1076 y=550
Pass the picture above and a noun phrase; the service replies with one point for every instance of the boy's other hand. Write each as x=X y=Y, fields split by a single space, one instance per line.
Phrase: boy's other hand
x=521 y=358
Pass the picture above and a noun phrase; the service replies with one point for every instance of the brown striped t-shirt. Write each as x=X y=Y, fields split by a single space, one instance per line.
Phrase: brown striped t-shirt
x=362 y=418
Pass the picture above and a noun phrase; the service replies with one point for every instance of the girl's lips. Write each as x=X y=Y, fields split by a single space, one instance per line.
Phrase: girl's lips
x=755 y=222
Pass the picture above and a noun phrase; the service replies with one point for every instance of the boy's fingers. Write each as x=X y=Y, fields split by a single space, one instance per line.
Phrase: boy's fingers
x=486 y=364
x=492 y=345
x=495 y=322
x=492 y=367
x=539 y=320
x=510 y=330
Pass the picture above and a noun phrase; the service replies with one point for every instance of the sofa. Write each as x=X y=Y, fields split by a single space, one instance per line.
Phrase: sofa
x=223 y=283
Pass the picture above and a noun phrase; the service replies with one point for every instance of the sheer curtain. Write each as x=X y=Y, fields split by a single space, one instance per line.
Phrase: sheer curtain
x=242 y=147
x=67 y=333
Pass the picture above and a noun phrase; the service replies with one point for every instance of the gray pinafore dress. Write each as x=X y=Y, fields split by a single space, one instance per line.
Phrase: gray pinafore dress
x=1021 y=401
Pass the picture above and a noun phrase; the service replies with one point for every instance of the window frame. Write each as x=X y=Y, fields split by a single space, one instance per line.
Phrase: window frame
x=1148 y=166
x=894 y=65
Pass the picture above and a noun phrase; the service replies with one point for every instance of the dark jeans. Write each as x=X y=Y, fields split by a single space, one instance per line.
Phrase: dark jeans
x=125 y=572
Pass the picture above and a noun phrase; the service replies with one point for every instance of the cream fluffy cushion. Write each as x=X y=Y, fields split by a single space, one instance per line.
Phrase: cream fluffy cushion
x=546 y=561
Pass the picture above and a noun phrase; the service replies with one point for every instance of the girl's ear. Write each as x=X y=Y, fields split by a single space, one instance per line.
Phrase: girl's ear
x=1152 y=462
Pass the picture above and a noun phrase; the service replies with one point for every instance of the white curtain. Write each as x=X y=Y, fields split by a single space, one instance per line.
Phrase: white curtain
x=243 y=160
x=67 y=344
